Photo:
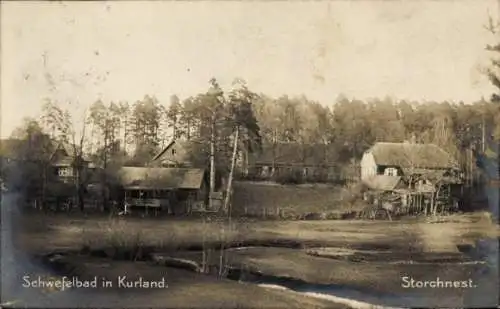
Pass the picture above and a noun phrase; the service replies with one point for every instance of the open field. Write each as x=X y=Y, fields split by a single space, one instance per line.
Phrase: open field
x=46 y=233
x=267 y=199
x=278 y=249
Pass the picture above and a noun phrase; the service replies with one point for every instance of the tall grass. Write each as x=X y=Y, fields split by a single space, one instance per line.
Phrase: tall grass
x=298 y=202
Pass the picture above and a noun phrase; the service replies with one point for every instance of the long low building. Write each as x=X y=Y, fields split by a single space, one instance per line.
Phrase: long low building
x=177 y=190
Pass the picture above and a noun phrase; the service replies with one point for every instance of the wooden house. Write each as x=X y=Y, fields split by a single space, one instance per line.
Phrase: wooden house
x=400 y=159
x=57 y=157
x=177 y=190
x=171 y=181
x=424 y=171
x=43 y=167
x=63 y=163
x=311 y=162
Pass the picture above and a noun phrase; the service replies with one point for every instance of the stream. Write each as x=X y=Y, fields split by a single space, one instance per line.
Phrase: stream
x=353 y=297
x=364 y=298
x=15 y=264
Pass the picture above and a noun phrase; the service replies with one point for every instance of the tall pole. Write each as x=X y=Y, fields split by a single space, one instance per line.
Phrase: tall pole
x=212 y=164
x=231 y=173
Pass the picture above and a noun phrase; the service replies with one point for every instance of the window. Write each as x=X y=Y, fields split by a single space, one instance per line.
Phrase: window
x=391 y=171
x=173 y=152
x=65 y=172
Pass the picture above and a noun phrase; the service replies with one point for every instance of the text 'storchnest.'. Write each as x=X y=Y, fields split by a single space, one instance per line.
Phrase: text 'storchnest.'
x=64 y=283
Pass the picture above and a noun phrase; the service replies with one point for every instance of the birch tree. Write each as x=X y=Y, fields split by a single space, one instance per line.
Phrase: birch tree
x=245 y=128
x=60 y=124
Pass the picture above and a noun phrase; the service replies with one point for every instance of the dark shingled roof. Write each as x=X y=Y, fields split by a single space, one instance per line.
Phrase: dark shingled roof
x=295 y=153
x=406 y=155
x=160 y=178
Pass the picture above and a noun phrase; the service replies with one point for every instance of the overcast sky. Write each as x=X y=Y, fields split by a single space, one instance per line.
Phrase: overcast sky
x=84 y=51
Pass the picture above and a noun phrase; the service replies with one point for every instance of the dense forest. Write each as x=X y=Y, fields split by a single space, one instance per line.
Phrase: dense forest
x=133 y=133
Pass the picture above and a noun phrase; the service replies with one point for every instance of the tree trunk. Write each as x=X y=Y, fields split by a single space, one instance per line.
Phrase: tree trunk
x=247 y=163
x=436 y=197
x=104 y=178
x=78 y=188
x=433 y=204
x=125 y=136
x=231 y=173
x=204 y=258
x=275 y=142
x=212 y=164
x=44 y=186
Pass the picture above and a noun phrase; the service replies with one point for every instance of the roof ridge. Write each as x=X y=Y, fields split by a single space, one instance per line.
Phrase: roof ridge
x=411 y=154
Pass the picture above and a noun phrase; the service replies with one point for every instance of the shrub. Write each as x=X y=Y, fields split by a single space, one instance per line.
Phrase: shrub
x=120 y=239
x=352 y=192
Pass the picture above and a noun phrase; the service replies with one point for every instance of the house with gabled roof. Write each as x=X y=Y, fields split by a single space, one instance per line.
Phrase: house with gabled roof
x=407 y=159
x=177 y=190
x=417 y=171
x=49 y=165
x=169 y=182
x=60 y=156
x=62 y=162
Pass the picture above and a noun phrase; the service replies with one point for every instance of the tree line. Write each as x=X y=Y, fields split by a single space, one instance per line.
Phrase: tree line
x=118 y=134
x=131 y=133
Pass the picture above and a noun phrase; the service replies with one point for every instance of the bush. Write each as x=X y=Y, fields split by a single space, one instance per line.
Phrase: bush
x=352 y=196
x=352 y=192
x=122 y=241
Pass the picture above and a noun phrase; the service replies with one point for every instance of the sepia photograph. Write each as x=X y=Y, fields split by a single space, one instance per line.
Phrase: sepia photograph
x=250 y=154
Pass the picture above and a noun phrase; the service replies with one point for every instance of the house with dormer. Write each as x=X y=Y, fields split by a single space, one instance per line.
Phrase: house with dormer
x=63 y=163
